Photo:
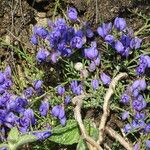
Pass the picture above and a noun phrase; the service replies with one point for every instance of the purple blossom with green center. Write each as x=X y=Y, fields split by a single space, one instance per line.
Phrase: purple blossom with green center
x=105 y=79
x=60 y=90
x=105 y=29
x=34 y=39
x=120 y=24
x=72 y=13
x=125 y=98
x=95 y=83
x=44 y=107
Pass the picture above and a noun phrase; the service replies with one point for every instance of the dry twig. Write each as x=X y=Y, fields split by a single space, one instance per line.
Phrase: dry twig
x=107 y=97
x=78 y=100
x=119 y=138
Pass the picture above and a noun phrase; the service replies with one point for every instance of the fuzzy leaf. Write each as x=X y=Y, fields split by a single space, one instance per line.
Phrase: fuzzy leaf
x=66 y=135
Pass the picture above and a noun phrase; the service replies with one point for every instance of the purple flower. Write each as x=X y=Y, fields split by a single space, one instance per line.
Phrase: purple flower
x=42 y=55
x=135 y=43
x=67 y=100
x=2 y=78
x=105 y=79
x=125 y=115
x=142 y=84
x=7 y=72
x=38 y=84
x=92 y=67
x=28 y=113
x=91 y=52
x=7 y=84
x=97 y=60
x=72 y=13
x=28 y=92
x=140 y=69
x=125 y=98
x=63 y=121
x=135 y=84
x=137 y=124
x=109 y=38
x=76 y=89
x=60 y=90
x=44 y=107
x=147 y=128
x=34 y=40
x=40 y=31
x=105 y=29
x=76 y=42
x=42 y=135
x=135 y=92
x=139 y=103
x=127 y=128
x=139 y=116
x=136 y=146
x=10 y=120
x=120 y=24
x=95 y=84
x=61 y=113
x=119 y=47
x=55 y=110
x=147 y=144
x=89 y=33
x=54 y=57
x=24 y=124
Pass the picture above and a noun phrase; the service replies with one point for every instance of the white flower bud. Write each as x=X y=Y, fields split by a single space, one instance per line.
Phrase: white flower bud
x=78 y=66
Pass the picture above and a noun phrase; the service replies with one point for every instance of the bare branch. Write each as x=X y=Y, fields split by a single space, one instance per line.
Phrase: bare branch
x=107 y=97
x=78 y=100
x=119 y=138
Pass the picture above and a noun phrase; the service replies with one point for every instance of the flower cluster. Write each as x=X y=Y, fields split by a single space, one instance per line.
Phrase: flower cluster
x=125 y=40
x=14 y=109
x=137 y=115
x=144 y=63
x=62 y=38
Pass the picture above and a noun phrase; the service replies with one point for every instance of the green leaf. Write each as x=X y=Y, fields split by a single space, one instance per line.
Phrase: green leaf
x=67 y=135
x=82 y=145
x=92 y=131
x=13 y=135
x=27 y=138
